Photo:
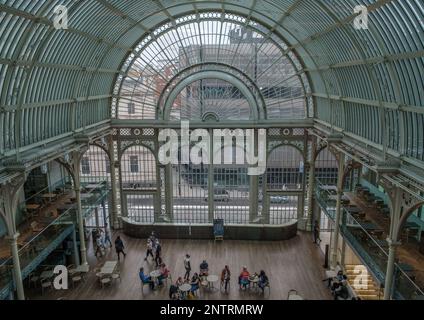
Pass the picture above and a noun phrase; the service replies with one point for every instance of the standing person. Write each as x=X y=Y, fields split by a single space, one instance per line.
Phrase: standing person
x=119 y=247
x=317 y=239
x=187 y=267
x=225 y=277
x=99 y=246
x=107 y=236
x=149 y=251
x=153 y=240
x=244 y=278
x=263 y=280
x=158 y=253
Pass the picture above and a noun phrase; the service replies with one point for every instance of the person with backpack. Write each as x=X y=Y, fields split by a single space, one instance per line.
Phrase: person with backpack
x=119 y=247
x=187 y=267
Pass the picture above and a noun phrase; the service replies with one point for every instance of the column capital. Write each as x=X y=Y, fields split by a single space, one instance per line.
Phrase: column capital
x=13 y=237
x=393 y=243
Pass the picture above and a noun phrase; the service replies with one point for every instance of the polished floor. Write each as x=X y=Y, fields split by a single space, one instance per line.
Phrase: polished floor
x=293 y=264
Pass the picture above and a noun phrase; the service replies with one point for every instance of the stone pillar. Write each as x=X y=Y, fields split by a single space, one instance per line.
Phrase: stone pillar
x=337 y=218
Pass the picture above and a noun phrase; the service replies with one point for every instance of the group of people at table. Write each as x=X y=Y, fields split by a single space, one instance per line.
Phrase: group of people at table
x=187 y=286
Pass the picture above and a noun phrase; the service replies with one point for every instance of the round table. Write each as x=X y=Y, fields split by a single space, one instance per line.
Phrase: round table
x=185 y=288
x=254 y=281
x=155 y=274
x=211 y=279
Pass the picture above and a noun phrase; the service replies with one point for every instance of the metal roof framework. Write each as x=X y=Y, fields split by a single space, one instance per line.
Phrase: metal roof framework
x=365 y=83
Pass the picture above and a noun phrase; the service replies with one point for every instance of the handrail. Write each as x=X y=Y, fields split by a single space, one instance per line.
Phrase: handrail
x=64 y=215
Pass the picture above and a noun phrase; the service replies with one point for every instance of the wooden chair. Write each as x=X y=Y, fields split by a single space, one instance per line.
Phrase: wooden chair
x=46 y=284
x=33 y=279
x=105 y=281
x=142 y=286
x=77 y=278
x=115 y=276
x=71 y=270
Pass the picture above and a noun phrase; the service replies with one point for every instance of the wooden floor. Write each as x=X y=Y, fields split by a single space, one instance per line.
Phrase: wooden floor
x=293 y=264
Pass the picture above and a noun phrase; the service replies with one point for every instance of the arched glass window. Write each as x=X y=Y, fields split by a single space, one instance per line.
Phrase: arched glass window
x=174 y=51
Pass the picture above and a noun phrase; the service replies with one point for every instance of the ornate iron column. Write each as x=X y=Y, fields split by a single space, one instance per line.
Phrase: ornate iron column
x=76 y=162
x=114 y=198
x=337 y=218
x=311 y=183
x=9 y=196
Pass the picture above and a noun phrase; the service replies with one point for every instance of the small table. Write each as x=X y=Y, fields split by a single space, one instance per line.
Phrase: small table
x=368 y=226
x=254 y=282
x=211 y=279
x=353 y=209
x=83 y=268
x=295 y=297
x=155 y=274
x=92 y=186
x=184 y=288
x=32 y=209
x=49 y=196
x=47 y=274
x=328 y=188
x=109 y=267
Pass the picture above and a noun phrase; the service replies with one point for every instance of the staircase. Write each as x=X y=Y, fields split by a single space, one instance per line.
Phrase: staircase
x=362 y=282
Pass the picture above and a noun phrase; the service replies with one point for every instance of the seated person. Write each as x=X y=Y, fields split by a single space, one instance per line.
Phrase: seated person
x=146 y=279
x=164 y=273
x=204 y=268
x=195 y=282
x=173 y=293
x=263 y=280
x=340 y=290
x=337 y=278
x=337 y=281
x=179 y=282
x=244 y=278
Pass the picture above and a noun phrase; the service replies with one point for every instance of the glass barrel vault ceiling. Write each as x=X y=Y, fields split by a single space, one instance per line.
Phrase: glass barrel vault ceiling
x=367 y=83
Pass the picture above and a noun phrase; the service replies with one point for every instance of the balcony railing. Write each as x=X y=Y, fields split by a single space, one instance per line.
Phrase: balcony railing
x=40 y=245
x=372 y=251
